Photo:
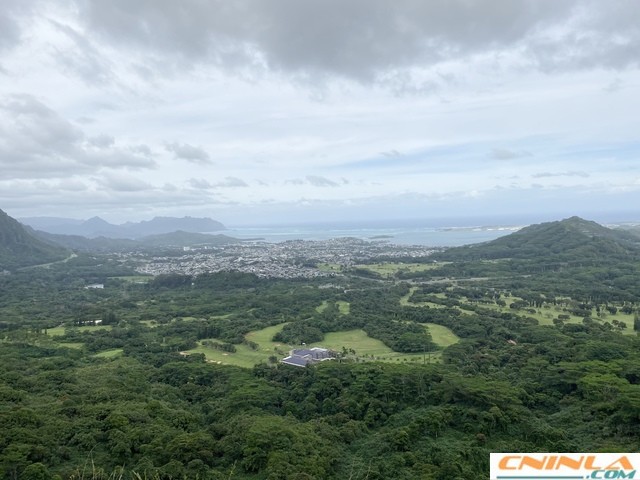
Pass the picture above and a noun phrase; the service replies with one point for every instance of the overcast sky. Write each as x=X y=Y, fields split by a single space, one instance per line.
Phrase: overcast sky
x=258 y=111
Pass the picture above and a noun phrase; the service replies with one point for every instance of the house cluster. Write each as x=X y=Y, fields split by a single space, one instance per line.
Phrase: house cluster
x=306 y=356
x=290 y=259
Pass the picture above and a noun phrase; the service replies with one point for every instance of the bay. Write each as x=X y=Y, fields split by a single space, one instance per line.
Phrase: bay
x=434 y=236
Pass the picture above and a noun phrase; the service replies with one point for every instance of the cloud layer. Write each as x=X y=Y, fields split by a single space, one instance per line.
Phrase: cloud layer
x=254 y=109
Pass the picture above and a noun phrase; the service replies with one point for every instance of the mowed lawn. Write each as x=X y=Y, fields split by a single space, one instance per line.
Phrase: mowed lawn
x=244 y=356
x=60 y=331
x=388 y=269
x=373 y=349
x=547 y=313
x=442 y=336
x=135 y=278
x=404 y=301
x=366 y=348
x=343 y=307
x=114 y=352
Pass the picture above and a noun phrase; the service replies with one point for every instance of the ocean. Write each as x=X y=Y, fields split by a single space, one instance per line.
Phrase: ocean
x=433 y=236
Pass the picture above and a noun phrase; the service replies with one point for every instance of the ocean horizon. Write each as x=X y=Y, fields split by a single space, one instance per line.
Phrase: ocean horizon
x=444 y=236
x=442 y=232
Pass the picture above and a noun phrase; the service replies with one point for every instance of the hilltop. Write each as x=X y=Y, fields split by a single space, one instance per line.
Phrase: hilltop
x=19 y=248
x=566 y=239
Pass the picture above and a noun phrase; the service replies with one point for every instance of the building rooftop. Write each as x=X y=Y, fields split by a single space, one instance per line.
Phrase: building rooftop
x=304 y=356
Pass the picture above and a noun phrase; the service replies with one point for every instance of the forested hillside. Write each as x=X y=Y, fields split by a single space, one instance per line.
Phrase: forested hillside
x=565 y=240
x=18 y=248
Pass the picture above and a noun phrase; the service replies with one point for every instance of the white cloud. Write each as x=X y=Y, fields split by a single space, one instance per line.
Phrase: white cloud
x=36 y=142
x=141 y=106
x=507 y=154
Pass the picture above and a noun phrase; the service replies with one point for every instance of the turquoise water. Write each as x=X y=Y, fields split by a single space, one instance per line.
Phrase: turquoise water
x=402 y=235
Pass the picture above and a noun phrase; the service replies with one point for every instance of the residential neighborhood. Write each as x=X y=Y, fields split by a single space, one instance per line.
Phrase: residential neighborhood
x=290 y=259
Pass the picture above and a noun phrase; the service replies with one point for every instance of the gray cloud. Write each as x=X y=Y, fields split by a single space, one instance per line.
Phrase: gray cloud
x=72 y=185
x=604 y=35
x=507 y=154
x=231 y=182
x=318 y=181
x=200 y=184
x=294 y=181
x=102 y=141
x=11 y=15
x=615 y=85
x=314 y=180
x=361 y=39
x=561 y=174
x=122 y=183
x=114 y=194
x=187 y=152
x=228 y=182
x=83 y=59
x=391 y=154
x=36 y=142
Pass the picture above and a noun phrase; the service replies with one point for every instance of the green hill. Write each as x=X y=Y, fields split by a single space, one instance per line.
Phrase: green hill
x=18 y=248
x=186 y=239
x=78 y=243
x=566 y=240
x=177 y=239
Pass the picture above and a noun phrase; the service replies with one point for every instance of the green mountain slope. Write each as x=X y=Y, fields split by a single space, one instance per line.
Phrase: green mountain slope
x=186 y=239
x=18 y=248
x=566 y=240
x=105 y=244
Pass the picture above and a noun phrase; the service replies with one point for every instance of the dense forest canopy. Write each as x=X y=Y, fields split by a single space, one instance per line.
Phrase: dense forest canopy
x=179 y=376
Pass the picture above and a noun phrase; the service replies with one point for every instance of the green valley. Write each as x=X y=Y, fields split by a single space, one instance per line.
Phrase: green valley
x=177 y=375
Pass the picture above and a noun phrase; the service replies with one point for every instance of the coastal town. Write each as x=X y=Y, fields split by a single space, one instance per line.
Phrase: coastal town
x=290 y=259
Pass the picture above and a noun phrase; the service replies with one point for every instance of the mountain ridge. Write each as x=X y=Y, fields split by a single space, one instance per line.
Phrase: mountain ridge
x=97 y=227
x=104 y=244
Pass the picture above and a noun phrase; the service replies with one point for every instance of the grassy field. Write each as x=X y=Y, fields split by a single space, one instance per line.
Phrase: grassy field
x=135 y=278
x=323 y=306
x=153 y=323
x=404 y=301
x=109 y=353
x=263 y=338
x=60 y=331
x=544 y=315
x=368 y=349
x=343 y=307
x=442 y=336
x=242 y=357
x=388 y=269
x=245 y=356
x=74 y=345
x=330 y=267
x=547 y=313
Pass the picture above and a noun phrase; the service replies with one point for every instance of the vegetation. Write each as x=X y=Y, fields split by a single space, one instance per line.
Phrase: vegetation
x=180 y=377
x=18 y=248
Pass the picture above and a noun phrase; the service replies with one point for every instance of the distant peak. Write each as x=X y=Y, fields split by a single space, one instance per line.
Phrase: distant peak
x=575 y=219
x=96 y=219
